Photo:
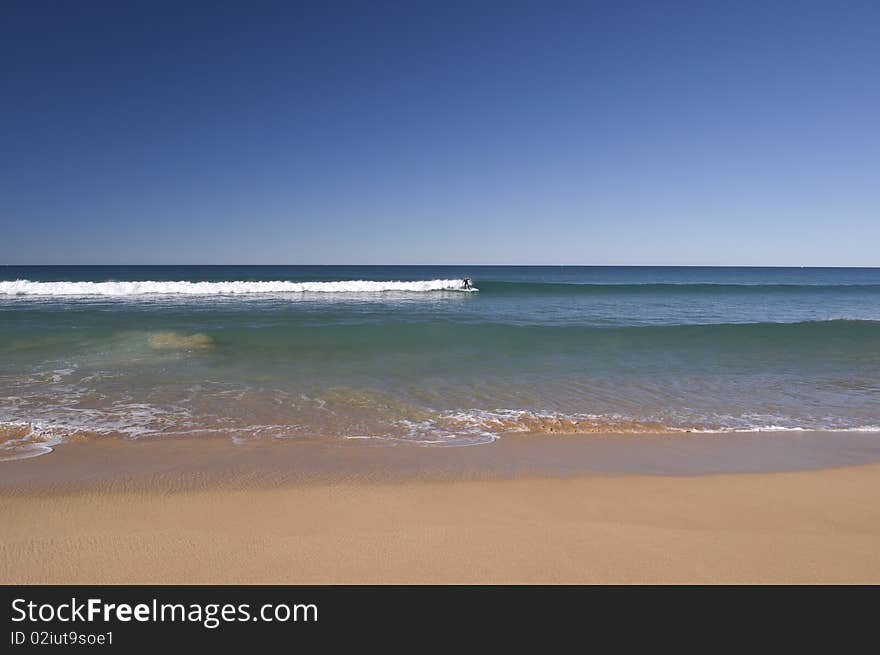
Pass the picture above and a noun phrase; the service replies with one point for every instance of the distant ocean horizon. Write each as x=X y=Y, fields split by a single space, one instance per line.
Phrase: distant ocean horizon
x=404 y=355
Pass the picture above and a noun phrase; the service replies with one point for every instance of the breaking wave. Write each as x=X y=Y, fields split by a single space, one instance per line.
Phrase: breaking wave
x=186 y=288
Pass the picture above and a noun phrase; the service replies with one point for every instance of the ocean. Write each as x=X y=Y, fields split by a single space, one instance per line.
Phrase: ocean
x=393 y=355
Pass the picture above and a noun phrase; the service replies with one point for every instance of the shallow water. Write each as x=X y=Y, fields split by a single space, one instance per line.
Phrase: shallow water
x=399 y=354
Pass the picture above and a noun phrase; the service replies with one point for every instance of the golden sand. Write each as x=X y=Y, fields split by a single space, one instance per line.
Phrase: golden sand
x=798 y=527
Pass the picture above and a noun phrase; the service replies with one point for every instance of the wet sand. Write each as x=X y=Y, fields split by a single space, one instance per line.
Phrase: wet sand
x=523 y=510
x=174 y=464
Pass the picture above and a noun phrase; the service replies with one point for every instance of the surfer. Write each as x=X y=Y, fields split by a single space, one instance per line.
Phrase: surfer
x=466 y=283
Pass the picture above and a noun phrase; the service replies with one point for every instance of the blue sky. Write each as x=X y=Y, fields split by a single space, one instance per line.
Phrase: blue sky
x=497 y=133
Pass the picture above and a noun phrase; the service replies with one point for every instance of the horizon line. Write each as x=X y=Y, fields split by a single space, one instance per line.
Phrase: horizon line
x=481 y=265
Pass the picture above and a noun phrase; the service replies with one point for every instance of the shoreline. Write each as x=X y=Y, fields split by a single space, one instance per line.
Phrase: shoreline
x=166 y=520
x=188 y=463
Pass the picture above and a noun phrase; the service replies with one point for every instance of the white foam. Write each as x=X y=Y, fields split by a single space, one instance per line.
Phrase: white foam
x=446 y=431
x=183 y=287
x=24 y=451
x=35 y=442
x=784 y=428
x=476 y=426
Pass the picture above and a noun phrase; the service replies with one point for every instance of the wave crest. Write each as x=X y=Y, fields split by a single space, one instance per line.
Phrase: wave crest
x=237 y=287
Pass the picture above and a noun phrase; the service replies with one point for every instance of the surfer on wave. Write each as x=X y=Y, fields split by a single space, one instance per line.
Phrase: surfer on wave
x=466 y=283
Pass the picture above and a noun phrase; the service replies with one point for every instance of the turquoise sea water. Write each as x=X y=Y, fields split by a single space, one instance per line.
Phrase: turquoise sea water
x=399 y=354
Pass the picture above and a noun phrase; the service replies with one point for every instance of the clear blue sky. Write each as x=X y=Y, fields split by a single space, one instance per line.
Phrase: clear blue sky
x=530 y=133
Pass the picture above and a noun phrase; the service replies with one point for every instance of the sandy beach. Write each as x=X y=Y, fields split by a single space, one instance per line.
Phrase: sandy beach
x=170 y=524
